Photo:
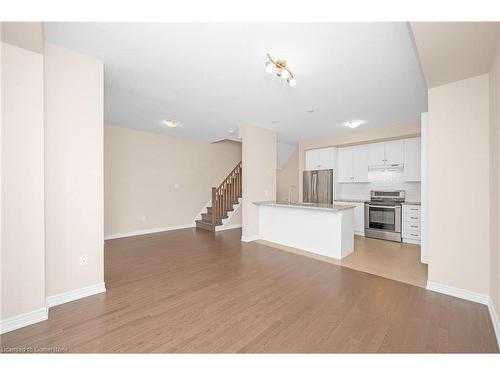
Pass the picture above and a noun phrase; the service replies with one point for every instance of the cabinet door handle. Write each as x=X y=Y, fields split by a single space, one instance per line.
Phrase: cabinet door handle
x=413 y=217
x=414 y=226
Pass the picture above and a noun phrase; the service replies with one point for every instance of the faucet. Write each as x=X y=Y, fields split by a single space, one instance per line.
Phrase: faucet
x=290 y=193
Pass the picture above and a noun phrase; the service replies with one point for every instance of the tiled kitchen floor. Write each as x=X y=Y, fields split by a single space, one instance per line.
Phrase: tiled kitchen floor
x=392 y=260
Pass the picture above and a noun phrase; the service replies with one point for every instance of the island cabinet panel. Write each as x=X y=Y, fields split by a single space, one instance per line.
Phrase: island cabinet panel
x=359 y=216
x=316 y=229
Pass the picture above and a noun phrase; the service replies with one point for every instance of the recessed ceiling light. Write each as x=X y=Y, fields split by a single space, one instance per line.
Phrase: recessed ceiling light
x=310 y=111
x=353 y=124
x=170 y=123
x=274 y=121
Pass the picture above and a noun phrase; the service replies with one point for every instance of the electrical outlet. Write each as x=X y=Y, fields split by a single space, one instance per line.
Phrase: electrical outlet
x=84 y=260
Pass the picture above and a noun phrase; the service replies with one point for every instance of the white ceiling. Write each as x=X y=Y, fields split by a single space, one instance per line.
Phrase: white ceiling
x=210 y=76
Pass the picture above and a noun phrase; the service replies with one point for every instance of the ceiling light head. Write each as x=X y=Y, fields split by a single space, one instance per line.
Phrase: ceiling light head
x=269 y=67
x=353 y=123
x=282 y=70
x=230 y=131
x=171 y=123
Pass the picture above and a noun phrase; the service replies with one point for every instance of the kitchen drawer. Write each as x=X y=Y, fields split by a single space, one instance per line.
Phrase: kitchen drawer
x=411 y=215
x=411 y=226
x=411 y=210
x=413 y=235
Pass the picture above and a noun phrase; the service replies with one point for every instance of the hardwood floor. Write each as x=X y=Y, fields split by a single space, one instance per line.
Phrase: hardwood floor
x=197 y=291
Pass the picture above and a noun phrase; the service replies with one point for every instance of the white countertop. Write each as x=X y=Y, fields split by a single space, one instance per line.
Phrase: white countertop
x=352 y=200
x=306 y=206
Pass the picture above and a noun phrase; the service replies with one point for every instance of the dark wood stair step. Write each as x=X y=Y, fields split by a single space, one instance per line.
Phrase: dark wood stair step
x=206 y=217
x=204 y=225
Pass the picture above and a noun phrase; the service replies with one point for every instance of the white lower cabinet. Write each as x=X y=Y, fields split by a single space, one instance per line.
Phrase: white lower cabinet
x=359 y=216
x=411 y=223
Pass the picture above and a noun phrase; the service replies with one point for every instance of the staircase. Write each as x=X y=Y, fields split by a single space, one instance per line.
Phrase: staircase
x=224 y=197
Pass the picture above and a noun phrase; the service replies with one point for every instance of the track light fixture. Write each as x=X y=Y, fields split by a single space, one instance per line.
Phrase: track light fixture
x=282 y=70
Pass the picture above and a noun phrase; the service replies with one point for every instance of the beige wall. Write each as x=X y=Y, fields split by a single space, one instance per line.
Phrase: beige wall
x=259 y=174
x=357 y=136
x=287 y=176
x=26 y=35
x=157 y=181
x=495 y=180
x=73 y=170
x=22 y=169
x=452 y=51
x=458 y=184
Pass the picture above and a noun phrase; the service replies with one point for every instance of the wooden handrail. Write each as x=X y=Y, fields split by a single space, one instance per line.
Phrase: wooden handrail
x=224 y=195
x=238 y=166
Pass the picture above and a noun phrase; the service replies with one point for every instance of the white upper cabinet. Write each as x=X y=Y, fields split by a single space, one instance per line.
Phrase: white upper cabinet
x=395 y=152
x=376 y=153
x=412 y=159
x=360 y=163
x=353 y=164
x=385 y=153
x=320 y=158
x=345 y=164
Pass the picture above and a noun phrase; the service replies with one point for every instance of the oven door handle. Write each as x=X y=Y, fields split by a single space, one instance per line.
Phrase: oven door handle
x=374 y=206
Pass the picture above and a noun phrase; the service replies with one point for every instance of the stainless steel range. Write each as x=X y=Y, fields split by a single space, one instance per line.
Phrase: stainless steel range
x=383 y=214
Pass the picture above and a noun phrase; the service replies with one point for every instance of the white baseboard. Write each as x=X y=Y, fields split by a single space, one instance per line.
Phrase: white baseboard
x=249 y=238
x=494 y=320
x=457 y=292
x=72 y=295
x=23 y=320
x=226 y=227
x=141 y=232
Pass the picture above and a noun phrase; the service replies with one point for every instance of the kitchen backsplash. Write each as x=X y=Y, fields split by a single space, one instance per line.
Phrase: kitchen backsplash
x=379 y=180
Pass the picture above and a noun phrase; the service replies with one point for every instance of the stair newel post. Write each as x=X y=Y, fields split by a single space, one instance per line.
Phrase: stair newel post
x=231 y=199
x=232 y=188
x=214 y=206
x=226 y=195
x=220 y=203
x=241 y=182
x=222 y=199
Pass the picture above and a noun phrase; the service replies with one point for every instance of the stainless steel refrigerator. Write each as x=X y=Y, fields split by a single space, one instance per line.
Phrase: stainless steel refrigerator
x=318 y=186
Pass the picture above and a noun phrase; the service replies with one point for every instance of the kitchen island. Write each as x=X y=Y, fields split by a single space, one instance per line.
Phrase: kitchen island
x=323 y=229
